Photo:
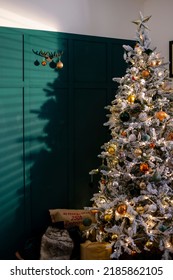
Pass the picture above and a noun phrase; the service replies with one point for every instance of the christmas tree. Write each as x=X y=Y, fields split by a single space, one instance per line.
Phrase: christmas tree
x=134 y=203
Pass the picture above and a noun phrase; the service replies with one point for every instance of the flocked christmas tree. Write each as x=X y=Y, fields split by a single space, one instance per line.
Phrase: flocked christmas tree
x=134 y=204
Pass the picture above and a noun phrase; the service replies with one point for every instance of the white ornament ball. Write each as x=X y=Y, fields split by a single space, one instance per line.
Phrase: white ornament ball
x=142 y=82
x=132 y=138
x=152 y=208
x=143 y=117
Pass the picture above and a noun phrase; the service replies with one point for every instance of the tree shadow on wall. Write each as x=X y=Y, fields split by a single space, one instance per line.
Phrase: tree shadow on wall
x=47 y=156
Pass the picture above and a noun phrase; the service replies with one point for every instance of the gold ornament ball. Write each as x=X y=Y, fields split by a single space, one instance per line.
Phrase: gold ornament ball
x=142 y=185
x=111 y=150
x=153 y=63
x=113 y=162
x=138 y=152
x=59 y=64
x=159 y=62
x=122 y=209
x=108 y=217
x=161 y=115
x=149 y=244
x=114 y=237
x=140 y=209
x=144 y=167
x=145 y=73
x=131 y=98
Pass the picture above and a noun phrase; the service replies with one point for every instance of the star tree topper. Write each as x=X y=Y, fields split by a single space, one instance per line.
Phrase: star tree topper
x=141 y=22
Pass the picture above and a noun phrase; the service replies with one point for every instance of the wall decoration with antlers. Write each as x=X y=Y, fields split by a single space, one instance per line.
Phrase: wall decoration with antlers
x=51 y=58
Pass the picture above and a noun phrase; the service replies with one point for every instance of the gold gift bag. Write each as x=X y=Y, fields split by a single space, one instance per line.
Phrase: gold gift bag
x=95 y=251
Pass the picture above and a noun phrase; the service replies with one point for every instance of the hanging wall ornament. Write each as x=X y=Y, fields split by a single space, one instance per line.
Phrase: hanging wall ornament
x=59 y=64
x=36 y=62
x=52 y=64
x=44 y=63
x=48 y=58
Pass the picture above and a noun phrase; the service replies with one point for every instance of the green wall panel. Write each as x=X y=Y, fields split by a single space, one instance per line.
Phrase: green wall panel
x=89 y=134
x=11 y=62
x=90 y=61
x=46 y=149
x=51 y=125
x=12 y=193
x=118 y=68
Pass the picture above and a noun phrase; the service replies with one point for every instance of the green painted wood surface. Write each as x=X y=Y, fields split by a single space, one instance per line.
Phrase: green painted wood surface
x=51 y=125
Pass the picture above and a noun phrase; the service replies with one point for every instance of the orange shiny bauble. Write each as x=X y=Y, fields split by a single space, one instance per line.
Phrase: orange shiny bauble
x=103 y=181
x=145 y=73
x=153 y=63
x=94 y=211
x=144 y=167
x=152 y=145
x=133 y=252
x=124 y=133
x=44 y=63
x=161 y=115
x=59 y=64
x=122 y=209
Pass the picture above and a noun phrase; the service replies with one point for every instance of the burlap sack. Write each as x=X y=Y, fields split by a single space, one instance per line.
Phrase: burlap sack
x=56 y=244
